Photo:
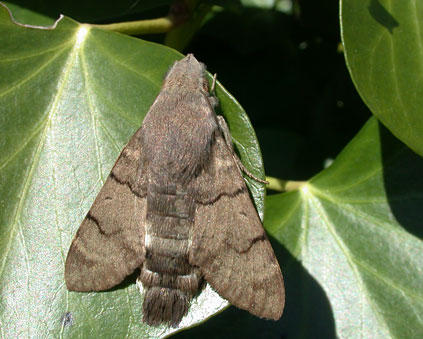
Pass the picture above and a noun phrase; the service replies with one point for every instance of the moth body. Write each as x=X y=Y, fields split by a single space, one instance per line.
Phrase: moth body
x=175 y=205
x=171 y=161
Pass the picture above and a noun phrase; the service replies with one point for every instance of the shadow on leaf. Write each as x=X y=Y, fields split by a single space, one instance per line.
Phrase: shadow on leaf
x=402 y=173
x=382 y=16
x=307 y=311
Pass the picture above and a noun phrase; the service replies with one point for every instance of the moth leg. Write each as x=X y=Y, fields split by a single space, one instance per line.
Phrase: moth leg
x=213 y=100
x=213 y=83
x=228 y=139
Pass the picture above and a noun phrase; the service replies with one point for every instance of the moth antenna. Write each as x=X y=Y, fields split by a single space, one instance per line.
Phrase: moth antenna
x=228 y=139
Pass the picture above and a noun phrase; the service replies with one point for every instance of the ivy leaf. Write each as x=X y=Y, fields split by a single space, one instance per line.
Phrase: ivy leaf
x=70 y=99
x=356 y=229
x=382 y=42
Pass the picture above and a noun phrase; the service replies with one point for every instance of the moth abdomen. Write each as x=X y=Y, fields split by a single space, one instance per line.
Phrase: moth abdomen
x=169 y=282
x=168 y=279
x=165 y=305
x=187 y=282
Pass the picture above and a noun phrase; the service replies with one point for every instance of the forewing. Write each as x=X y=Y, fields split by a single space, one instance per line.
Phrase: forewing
x=229 y=243
x=109 y=244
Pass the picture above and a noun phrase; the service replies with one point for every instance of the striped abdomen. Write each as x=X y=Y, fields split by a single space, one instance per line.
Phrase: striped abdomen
x=168 y=279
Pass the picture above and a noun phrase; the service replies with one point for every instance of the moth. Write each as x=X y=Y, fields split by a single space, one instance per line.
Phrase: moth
x=176 y=207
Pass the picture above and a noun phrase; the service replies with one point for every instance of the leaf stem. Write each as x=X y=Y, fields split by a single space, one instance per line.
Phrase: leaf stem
x=179 y=12
x=152 y=26
x=280 y=185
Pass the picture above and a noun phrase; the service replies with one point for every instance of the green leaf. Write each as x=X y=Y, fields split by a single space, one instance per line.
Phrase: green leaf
x=26 y=16
x=383 y=49
x=356 y=229
x=70 y=98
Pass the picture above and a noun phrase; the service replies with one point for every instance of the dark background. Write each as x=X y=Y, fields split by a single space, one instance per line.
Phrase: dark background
x=289 y=74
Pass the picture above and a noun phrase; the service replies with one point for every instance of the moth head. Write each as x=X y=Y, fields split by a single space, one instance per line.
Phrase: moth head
x=187 y=73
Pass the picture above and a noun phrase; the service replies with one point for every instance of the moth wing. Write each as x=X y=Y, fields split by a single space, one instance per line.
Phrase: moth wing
x=109 y=244
x=229 y=244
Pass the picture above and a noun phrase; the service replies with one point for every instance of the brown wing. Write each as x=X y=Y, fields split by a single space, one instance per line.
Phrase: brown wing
x=229 y=243
x=109 y=244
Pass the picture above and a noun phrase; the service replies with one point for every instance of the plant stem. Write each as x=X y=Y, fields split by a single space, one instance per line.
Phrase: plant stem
x=280 y=185
x=159 y=25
